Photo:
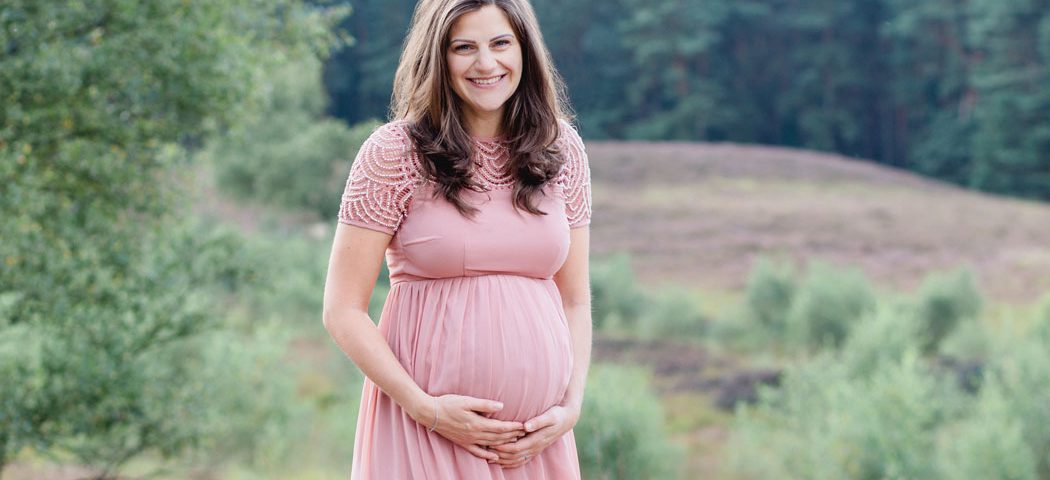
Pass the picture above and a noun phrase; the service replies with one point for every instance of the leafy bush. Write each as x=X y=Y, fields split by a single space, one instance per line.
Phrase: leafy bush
x=620 y=434
x=616 y=298
x=1021 y=366
x=672 y=313
x=770 y=291
x=988 y=444
x=827 y=423
x=827 y=305
x=872 y=410
x=880 y=339
x=945 y=301
x=968 y=341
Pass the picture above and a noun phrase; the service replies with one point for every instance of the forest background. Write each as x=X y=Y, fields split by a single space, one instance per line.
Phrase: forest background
x=170 y=171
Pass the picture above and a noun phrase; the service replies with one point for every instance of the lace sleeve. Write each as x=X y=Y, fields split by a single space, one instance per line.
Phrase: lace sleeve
x=381 y=182
x=575 y=177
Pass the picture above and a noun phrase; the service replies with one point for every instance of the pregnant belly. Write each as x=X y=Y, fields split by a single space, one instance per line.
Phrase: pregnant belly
x=498 y=337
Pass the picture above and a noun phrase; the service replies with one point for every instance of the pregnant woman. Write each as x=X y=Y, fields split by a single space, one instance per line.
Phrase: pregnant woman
x=478 y=194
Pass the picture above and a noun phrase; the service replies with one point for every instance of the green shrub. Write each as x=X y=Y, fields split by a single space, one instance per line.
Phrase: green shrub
x=825 y=423
x=989 y=444
x=1021 y=366
x=770 y=291
x=969 y=340
x=880 y=339
x=945 y=301
x=827 y=305
x=616 y=298
x=672 y=313
x=620 y=434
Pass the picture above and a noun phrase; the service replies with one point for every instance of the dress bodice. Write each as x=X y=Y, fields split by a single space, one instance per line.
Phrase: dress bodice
x=386 y=191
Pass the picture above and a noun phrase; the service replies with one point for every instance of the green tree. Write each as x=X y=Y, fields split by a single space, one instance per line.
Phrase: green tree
x=930 y=99
x=290 y=156
x=1012 y=107
x=360 y=79
x=675 y=90
x=107 y=290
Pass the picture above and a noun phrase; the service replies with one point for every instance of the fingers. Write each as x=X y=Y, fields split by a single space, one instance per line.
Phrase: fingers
x=493 y=439
x=483 y=405
x=482 y=453
x=545 y=420
x=513 y=461
x=500 y=426
x=519 y=447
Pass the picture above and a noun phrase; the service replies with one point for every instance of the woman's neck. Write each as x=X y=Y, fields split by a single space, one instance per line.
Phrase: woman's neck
x=484 y=126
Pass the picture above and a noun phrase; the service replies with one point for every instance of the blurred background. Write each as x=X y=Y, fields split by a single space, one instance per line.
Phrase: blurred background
x=821 y=242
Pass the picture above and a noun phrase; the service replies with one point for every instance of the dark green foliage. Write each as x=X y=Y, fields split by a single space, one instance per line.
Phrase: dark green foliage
x=1012 y=106
x=360 y=77
x=945 y=301
x=620 y=433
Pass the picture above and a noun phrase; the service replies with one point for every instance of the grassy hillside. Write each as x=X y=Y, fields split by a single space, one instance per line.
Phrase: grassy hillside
x=701 y=213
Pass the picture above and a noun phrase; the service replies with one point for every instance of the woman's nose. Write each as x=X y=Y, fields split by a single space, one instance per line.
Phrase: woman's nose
x=486 y=60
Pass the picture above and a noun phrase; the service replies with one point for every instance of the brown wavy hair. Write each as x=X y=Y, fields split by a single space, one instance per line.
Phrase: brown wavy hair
x=423 y=95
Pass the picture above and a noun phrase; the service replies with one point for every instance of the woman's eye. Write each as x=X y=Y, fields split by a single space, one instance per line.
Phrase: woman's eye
x=461 y=48
x=502 y=43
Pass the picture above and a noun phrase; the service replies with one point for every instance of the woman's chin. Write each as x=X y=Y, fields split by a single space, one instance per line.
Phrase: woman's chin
x=488 y=108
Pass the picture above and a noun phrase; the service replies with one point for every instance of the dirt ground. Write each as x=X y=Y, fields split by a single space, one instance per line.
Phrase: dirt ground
x=703 y=213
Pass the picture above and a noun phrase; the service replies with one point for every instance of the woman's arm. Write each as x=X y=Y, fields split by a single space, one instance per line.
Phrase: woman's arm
x=354 y=265
x=573 y=282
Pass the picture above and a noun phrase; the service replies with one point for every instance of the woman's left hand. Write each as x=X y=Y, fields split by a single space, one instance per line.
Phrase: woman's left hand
x=543 y=430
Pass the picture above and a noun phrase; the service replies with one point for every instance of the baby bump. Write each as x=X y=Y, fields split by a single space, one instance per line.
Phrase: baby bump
x=499 y=337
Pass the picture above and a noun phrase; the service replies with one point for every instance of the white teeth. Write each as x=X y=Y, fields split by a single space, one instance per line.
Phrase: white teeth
x=487 y=81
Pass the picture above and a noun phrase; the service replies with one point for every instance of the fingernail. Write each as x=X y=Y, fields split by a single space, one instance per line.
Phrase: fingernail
x=528 y=426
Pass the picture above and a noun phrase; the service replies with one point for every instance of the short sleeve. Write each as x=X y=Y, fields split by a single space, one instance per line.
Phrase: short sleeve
x=381 y=182
x=575 y=177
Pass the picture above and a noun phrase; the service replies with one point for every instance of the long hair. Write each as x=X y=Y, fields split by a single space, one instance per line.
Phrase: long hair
x=423 y=96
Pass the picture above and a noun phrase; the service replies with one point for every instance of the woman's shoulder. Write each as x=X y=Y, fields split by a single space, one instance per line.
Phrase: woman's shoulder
x=392 y=135
x=391 y=145
x=572 y=148
x=567 y=134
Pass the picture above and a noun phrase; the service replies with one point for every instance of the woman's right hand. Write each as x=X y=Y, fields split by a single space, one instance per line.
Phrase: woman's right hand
x=463 y=420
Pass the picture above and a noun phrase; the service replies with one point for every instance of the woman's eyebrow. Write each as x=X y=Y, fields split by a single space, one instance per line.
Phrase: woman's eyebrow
x=497 y=37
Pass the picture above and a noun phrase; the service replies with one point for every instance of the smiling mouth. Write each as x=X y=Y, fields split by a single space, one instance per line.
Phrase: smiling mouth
x=484 y=82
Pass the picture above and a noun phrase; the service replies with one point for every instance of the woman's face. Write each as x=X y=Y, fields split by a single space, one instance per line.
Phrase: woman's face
x=484 y=63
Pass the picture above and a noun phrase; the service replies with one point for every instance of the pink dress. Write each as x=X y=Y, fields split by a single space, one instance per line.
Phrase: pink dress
x=472 y=308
